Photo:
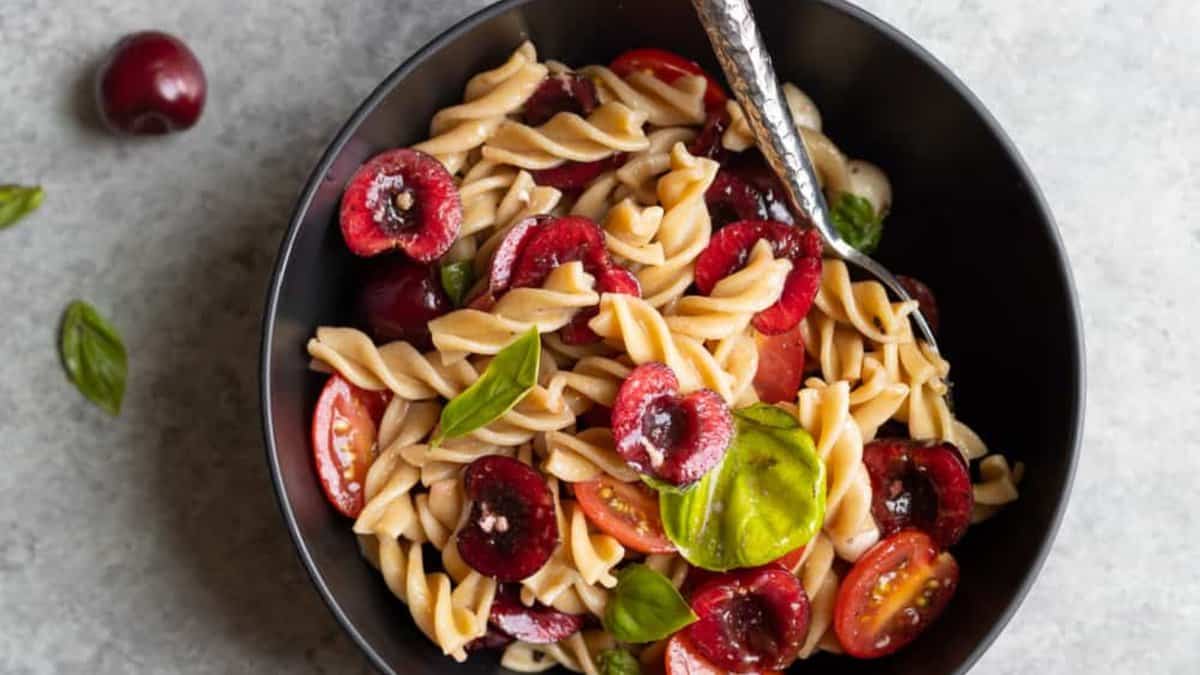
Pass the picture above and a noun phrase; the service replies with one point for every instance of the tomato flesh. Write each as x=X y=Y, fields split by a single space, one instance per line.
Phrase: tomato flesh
x=344 y=426
x=892 y=594
x=780 y=366
x=682 y=658
x=627 y=511
x=668 y=67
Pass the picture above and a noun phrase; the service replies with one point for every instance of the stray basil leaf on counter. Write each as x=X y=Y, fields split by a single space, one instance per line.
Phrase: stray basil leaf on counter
x=18 y=201
x=617 y=661
x=457 y=278
x=94 y=356
x=855 y=219
x=645 y=607
x=766 y=498
x=507 y=379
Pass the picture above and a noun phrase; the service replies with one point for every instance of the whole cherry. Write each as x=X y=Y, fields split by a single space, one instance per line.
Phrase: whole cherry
x=150 y=83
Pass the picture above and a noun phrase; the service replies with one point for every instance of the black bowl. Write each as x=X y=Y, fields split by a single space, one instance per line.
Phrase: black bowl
x=968 y=219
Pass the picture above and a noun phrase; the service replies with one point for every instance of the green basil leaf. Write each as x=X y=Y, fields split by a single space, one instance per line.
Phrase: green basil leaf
x=855 y=219
x=664 y=486
x=645 y=607
x=765 y=499
x=457 y=278
x=506 y=380
x=617 y=661
x=17 y=201
x=94 y=356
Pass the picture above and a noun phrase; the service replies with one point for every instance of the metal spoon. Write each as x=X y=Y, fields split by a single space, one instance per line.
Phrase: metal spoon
x=743 y=56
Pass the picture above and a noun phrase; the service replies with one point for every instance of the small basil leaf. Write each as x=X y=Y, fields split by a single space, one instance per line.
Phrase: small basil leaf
x=17 y=201
x=94 y=356
x=765 y=499
x=855 y=219
x=506 y=380
x=617 y=662
x=457 y=278
x=645 y=607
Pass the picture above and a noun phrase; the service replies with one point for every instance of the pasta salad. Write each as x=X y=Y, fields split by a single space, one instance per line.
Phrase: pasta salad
x=609 y=408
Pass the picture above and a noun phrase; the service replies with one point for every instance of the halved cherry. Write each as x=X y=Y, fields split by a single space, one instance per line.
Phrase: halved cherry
x=894 y=591
x=730 y=199
x=511 y=529
x=682 y=658
x=698 y=576
x=751 y=168
x=556 y=242
x=500 y=268
x=627 y=511
x=401 y=199
x=399 y=297
x=780 y=365
x=922 y=485
x=565 y=92
x=708 y=142
x=729 y=248
x=754 y=619
x=494 y=638
x=924 y=297
x=574 y=176
x=537 y=624
x=344 y=425
x=676 y=439
x=668 y=67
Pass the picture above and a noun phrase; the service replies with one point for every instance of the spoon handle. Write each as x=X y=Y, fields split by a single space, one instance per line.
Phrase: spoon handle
x=743 y=56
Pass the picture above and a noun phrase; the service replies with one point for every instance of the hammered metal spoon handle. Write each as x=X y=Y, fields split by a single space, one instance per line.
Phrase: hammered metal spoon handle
x=743 y=56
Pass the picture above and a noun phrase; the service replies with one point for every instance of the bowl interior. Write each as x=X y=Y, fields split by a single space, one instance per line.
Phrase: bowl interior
x=968 y=220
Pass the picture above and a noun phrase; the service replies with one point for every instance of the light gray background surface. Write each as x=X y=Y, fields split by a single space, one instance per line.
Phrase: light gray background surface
x=152 y=543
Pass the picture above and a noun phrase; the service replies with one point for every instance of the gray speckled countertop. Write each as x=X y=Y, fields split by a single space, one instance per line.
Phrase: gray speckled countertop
x=151 y=543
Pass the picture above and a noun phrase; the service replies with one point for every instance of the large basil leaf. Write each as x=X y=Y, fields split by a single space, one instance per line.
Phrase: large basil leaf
x=617 y=661
x=506 y=380
x=94 y=356
x=855 y=219
x=765 y=499
x=645 y=607
x=17 y=201
x=456 y=278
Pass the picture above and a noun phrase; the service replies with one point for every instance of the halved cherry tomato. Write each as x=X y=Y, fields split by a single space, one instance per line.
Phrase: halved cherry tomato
x=682 y=658
x=627 y=511
x=668 y=67
x=893 y=593
x=780 y=366
x=343 y=436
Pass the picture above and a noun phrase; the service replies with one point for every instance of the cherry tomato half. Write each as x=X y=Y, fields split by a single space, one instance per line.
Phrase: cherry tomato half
x=682 y=658
x=893 y=593
x=668 y=67
x=343 y=436
x=627 y=511
x=780 y=366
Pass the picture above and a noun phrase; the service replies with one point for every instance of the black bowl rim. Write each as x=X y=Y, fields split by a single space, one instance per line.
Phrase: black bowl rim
x=454 y=32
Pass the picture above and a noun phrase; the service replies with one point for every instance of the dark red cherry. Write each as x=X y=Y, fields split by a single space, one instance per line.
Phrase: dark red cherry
x=566 y=92
x=538 y=624
x=150 y=83
x=500 y=267
x=921 y=485
x=556 y=242
x=729 y=249
x=731 y=199
x=676 y=439
x=708 y=142
x=613 y=279
x=401 y=199
x=924 y=297
x=511 y=529
x=750 y=620
x=493 y=638
x=399 y=297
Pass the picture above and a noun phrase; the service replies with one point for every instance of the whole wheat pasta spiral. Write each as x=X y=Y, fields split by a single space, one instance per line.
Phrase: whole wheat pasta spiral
x=680 y=102
x=576 y=653
x=490 y=96
x=583 y=456
x=644 y=335
x=735 y=300
x=610 y=128
x=685 y=228
x=471 y=331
